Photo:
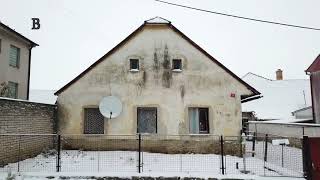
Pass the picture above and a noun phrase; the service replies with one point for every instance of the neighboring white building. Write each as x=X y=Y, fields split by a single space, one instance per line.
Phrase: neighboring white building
x=42 y=96
x=167 y=85
x=280 y=97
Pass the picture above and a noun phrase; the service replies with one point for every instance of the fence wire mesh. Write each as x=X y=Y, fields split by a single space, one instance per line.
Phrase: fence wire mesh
x=151 y=153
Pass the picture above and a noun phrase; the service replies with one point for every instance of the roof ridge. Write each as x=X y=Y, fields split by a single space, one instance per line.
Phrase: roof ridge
x=257 y=76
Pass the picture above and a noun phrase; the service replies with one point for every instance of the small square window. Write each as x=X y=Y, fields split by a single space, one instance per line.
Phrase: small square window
x=134 y=64
x=176 y=64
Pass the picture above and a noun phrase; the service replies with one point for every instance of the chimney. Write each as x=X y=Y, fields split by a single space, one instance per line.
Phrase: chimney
x=279 y=74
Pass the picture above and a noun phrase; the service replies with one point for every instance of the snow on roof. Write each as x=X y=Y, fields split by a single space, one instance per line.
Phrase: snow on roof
x=42 y=96
x=292 y=120
x=280 y=97
x=158 y=20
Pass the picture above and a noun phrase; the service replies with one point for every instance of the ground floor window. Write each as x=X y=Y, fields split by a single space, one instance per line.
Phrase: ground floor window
x=198 y=120
x=147 y=120
x=13 y=90
x=93 y=121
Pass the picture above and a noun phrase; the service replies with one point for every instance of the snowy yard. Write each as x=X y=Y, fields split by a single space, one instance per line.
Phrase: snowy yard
x=126 y=161
x=186 y=165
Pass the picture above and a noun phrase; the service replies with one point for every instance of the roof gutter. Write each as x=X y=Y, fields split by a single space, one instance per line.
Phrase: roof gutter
x=251 y=98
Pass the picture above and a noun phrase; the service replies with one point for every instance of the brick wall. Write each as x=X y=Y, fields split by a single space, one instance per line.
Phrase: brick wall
x=30 y=119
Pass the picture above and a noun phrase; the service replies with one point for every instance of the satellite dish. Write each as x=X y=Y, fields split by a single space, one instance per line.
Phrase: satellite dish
x=110 y=107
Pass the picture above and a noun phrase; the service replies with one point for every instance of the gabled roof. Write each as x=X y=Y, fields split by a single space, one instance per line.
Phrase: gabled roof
x=33 y=44
x=315 y=66
x=162 y=21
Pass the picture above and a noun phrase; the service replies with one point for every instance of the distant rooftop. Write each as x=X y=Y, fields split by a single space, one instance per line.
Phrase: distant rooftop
x=280 y=97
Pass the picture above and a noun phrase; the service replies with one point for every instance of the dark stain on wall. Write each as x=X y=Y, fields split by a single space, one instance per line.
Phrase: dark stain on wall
x=167 y=74
x=182 y=91
x=156 y=63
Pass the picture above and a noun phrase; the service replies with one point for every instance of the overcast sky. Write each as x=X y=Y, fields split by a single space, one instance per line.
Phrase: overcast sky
x=75 y=33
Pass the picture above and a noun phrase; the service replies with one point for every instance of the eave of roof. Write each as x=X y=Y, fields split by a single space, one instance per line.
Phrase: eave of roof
x=33 y=44
x=253 y=90
x=315 y=66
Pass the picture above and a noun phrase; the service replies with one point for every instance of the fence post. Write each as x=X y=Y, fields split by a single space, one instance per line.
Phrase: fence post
x=222 y=154
x=58 y=153
x=240 y=145
x=254 y=143
x=266 y=148
x=307 y=165
x=19 y=152
x=139 y=155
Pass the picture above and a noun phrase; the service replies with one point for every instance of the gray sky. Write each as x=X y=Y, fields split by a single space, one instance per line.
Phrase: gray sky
x=75 y=33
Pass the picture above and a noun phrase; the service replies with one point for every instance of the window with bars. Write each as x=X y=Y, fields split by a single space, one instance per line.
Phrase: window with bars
x=93 y=121
x=14 y=56
x=198 y=120
x=147 y=120
x=13 y=90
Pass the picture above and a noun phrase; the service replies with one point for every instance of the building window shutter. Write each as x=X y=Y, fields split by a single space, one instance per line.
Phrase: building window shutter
x=14 y=56
x=13 y=90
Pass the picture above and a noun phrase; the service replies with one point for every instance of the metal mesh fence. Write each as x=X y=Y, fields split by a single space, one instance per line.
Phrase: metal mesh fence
x=28 y=153
x=99 y=153
x=262 y=155
x=180 y=153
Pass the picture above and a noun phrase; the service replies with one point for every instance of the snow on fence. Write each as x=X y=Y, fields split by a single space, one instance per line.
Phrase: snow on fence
x=156 y=153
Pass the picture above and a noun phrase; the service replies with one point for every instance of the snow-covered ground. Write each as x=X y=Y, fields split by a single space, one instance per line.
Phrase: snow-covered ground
x=187 y=164
x=108 y=163
x=95 y=176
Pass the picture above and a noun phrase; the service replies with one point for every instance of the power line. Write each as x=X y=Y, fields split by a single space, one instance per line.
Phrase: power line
x=240 y=17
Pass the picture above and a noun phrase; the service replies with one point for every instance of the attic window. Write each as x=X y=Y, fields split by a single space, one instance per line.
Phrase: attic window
x=176 y=65
x=134 y=64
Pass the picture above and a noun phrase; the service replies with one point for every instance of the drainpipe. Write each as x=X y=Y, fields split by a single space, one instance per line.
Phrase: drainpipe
x=29 y=67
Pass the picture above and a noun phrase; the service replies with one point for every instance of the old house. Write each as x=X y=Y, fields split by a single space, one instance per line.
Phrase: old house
x=314 y=72
x=166 y=83
x=15 y=60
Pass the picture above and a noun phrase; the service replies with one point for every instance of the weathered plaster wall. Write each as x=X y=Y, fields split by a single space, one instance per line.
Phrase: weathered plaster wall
x=202 y=83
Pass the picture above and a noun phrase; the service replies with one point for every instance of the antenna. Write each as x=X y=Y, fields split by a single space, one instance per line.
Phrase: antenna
x=110 y=107
x=304 y=96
